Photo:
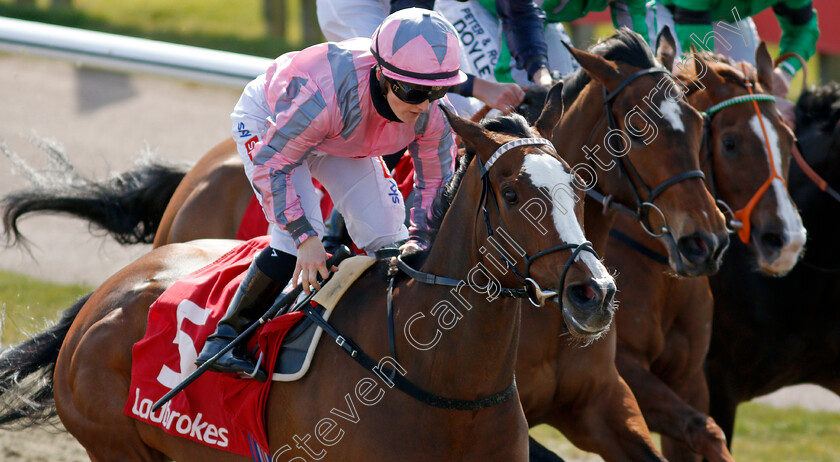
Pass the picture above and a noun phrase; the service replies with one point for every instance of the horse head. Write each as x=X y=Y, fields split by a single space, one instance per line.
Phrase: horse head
x=628 y=131
x=529 y=221
x=746 y=154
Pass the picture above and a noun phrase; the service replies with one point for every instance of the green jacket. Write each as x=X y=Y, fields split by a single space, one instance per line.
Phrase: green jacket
x=797 y=18
x=560 y=11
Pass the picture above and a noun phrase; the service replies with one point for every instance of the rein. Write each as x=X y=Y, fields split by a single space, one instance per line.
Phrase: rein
x=532 y=291
x=643 y=204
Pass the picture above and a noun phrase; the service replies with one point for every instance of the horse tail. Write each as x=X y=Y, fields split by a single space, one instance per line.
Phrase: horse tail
x=129 y=206
x=26 y=374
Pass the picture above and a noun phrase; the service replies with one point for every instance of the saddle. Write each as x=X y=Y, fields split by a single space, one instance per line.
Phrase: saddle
x=298 y=346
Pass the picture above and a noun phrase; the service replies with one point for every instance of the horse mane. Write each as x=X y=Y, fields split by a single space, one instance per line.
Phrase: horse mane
x=624 y=46
x=819 y=107
x=511 y=124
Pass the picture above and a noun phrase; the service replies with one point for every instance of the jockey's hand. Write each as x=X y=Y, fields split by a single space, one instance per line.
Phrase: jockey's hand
x=502 y=96
x=311 y=261
x=781 y=82
x=412 y=246
x=543 y=77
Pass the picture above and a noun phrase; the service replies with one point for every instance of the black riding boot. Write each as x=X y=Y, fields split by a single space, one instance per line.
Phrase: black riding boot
x=335 y=232
x=253 y=298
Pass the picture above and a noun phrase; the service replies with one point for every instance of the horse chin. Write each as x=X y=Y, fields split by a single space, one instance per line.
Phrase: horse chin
x=587 y=331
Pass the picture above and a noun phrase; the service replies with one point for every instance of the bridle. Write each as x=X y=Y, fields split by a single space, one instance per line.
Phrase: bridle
x=740 y=219
x=644 y=205
x=531 y=290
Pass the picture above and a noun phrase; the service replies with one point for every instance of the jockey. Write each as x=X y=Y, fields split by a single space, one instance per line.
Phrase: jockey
x=344 y=19
x=328 y=112
x=725 y=26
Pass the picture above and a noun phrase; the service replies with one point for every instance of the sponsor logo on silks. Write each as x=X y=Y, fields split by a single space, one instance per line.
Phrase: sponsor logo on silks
x=477 y=44
x=184 y=424
x=249 y=146
x=243 y=132
x=395 y=192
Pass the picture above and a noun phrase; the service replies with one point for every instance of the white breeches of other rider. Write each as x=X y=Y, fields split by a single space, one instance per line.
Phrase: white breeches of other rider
x=729 y=40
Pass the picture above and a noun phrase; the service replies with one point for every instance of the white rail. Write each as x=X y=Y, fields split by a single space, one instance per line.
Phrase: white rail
x=128 y=54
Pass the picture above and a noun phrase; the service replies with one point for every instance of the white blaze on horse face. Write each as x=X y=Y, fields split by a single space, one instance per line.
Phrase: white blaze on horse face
x=673 y=114
x=792 y=222
x=547 y=172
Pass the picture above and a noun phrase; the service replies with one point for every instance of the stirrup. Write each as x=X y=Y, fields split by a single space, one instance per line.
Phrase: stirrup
x=253 y=374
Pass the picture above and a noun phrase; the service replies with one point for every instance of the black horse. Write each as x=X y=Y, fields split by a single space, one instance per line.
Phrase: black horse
x=774 y=332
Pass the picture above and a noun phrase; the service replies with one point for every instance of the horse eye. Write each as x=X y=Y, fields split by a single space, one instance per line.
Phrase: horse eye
x=510 y=195
x=728 y=143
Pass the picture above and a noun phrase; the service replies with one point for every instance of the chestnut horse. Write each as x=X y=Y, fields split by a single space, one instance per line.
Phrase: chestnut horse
x=665 y=325
x=774 y=332
x=474 y=361
x=594 y=406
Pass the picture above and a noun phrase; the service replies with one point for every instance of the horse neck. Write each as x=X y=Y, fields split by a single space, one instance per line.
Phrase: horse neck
x=480 y=349
x=574 y=133
x=597 y=224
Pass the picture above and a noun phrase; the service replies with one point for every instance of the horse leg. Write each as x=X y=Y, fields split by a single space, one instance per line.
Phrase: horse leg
x=609 y=423
x=91 y=388
x=667 y=413
x=598 y=412
x=723 y=399
x=694 y=391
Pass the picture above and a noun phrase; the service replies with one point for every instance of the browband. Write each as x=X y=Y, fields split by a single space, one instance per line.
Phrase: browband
x=510 y=145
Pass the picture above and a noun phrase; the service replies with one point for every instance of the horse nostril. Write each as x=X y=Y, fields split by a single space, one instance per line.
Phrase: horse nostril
x=581 y=294
x=772 y=241
x=694 y=248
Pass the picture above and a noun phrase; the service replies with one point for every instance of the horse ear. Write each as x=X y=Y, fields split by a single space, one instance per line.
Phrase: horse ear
x=764 y=66
x=598 y=67
x=705 y=73
x=666 y=48
x=552 y=111
x=473 y=135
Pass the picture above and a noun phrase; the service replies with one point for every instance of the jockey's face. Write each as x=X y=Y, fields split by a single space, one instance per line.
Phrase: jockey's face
x=406 y=112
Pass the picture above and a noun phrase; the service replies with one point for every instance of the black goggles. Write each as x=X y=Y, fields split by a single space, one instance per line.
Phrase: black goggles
x=416 y=94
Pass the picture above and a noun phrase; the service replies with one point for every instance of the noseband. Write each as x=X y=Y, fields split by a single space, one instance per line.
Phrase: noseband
x=531 y=290
x=740 y=219
x=643 y=205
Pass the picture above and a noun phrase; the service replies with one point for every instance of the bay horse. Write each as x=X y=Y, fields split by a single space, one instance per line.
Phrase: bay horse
x=665 y=329
x=774 y=332
x=474 y=360
x=594 y=407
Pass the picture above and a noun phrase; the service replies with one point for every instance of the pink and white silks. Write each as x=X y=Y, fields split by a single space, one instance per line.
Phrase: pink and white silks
x=311 y=115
